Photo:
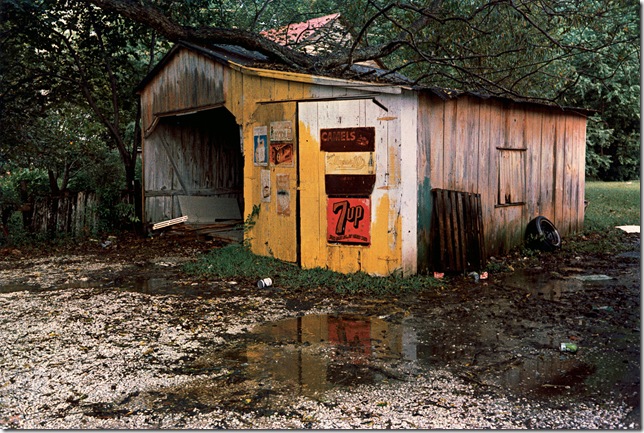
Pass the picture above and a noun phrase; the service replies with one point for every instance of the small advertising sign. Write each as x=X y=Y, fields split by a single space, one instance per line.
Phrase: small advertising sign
x=265 y=180
x=349 y=220
x=260 y=143
x=349 y=163
x=348 y=139
x=283 y=194
x=282 y=153
x=282 y=131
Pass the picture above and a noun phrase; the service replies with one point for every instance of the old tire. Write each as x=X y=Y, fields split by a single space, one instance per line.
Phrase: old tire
x=542 y=234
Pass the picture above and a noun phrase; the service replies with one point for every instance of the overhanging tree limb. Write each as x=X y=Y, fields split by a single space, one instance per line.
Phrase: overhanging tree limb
x=153 y=18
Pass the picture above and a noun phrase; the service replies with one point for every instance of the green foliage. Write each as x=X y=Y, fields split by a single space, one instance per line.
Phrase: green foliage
x=9 y=196
x=114 y=213
x=257 y=15
x=19 y=236
x=236 y=261
x=607 y=79
x=598 y=139
x=67 y=77
x=34 y=179
x=612 y=204
x=66 y=142
x=65 y=60
x=249 y=223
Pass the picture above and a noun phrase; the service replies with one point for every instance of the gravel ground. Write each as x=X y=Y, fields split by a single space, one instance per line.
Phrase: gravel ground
x=87 y=354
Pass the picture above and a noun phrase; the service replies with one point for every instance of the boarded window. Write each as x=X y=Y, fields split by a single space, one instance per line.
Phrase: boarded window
x=511 y=189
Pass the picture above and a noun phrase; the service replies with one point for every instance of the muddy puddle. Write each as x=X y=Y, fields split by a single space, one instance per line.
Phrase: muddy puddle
x=491 y=346
x=146 y=285
x=543 y=285
x=487 y=344
x=311 y=354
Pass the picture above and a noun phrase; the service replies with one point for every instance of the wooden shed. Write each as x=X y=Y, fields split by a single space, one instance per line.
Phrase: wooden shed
x=353 y=174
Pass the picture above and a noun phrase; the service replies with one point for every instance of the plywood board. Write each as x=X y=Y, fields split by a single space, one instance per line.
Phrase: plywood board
x=206 y=210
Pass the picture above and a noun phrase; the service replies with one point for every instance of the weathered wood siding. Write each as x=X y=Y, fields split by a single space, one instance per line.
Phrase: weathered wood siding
x=74 y=214
x=523 y=160
x=457 y=242
x=191 y=156
x=187 y=82
x=487 y=147
x=393 y=199
x=186 y=153
x=177 y=159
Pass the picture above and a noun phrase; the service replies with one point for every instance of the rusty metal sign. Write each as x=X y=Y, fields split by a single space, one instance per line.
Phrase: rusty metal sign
x=361 y=139
x=282 y=131
x=281 y=153
x=283 y=181
x=349 y=184
x=349 y=163
x=349 y=220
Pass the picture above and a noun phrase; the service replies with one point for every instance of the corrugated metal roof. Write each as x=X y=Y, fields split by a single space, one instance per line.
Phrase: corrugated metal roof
x=298 y=32
x=370 y=75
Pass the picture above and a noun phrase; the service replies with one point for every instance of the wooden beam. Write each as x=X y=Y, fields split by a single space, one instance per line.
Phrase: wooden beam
x=170 y=222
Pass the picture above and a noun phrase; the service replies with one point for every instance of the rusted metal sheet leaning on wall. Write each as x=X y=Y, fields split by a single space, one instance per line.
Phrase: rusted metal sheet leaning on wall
x=457 y=231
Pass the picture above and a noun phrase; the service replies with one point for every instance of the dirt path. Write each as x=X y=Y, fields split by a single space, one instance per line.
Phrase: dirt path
x=109 y=336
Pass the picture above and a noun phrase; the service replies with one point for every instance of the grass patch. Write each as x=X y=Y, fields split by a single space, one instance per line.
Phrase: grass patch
x=236 y=261
x=610 y=241
x=612 y=204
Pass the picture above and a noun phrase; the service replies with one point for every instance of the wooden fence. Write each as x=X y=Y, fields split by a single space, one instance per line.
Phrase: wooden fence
x=74 y=214
x=457 y=242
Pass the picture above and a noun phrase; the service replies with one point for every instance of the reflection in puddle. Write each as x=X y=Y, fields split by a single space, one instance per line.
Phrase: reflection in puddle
x=548 y=375
x=311 y=354
x=306 y=356
x=318 y=352
x=543 y=285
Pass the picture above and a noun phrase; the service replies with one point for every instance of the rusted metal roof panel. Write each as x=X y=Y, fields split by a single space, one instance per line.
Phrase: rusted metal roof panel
x=227 y=54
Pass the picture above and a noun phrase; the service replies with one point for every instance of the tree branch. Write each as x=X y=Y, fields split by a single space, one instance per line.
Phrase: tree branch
x=174 y=32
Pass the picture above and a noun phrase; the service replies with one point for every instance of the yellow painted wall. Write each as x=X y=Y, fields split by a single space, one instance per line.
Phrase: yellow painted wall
x=258 y=100
x=384 y=255
x=259 y=97
x=252 y=99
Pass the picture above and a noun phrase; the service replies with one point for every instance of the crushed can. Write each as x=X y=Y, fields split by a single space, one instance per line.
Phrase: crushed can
x=264 y=282
x=568 y=347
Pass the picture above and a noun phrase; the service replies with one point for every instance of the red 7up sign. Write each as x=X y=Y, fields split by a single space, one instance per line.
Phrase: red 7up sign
x=349 y=220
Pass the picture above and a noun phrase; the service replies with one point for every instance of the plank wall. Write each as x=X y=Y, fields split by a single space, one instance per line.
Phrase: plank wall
x=460 y=151
x=194 y=155
x=187 y=81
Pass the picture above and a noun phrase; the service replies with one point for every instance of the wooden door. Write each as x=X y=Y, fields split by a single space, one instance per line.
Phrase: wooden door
x=337 y=176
